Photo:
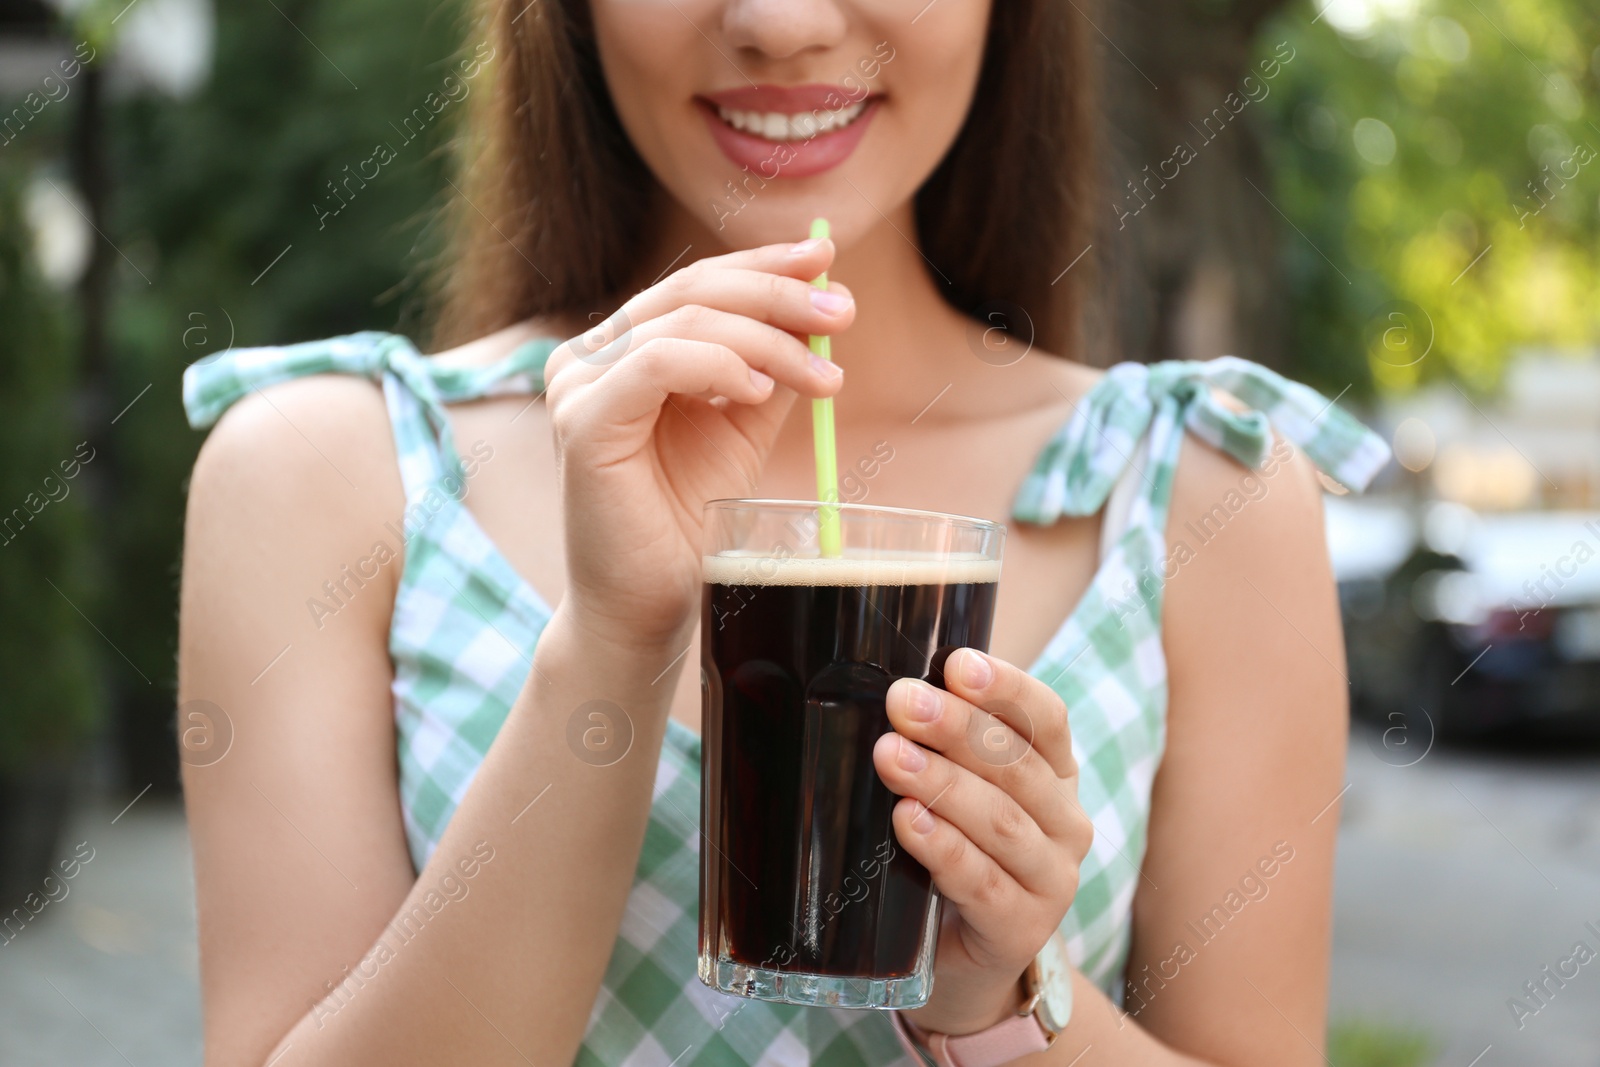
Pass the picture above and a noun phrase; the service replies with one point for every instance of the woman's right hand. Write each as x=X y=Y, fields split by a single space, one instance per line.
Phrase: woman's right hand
x=675 y=400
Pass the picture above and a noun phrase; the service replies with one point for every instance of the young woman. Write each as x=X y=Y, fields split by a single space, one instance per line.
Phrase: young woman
x=404 y=575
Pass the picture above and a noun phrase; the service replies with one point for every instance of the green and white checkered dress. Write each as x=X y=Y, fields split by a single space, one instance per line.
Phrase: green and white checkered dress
x=465 y=624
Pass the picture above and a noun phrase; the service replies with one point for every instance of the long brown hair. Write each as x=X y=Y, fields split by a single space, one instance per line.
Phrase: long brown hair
x=553 y=204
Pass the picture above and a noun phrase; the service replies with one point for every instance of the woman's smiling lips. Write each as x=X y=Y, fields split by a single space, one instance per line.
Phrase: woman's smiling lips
x=788 y=131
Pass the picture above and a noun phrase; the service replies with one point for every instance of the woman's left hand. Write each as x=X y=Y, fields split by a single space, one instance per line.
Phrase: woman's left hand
x=989 y=806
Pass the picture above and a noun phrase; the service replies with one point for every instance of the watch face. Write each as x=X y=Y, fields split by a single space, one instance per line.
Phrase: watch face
x=1055 y=985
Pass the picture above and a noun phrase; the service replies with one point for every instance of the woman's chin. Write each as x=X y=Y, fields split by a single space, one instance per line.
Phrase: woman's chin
x=783 y=216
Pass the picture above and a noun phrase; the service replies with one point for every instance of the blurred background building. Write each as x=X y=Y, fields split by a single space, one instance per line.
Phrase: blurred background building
x=1397 y=201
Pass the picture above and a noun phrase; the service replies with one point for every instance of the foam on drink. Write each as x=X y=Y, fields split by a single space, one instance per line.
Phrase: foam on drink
x=754 y=569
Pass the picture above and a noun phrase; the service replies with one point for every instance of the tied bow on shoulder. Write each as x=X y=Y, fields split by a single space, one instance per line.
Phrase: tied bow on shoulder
x=1085 y=458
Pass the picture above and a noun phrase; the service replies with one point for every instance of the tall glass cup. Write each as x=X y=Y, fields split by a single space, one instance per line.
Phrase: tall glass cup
x=806 y=896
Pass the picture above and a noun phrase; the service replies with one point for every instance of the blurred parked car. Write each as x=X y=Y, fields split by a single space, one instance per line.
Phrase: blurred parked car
x=1468 y=625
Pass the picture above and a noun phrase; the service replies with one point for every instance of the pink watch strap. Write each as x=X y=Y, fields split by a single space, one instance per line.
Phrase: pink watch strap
x=1008 y=1040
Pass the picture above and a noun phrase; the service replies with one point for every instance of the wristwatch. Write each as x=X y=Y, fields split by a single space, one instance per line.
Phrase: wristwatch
x=1046 y=1007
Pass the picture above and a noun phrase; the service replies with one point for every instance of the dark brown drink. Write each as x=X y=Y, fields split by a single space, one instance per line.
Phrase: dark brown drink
x=803 y=874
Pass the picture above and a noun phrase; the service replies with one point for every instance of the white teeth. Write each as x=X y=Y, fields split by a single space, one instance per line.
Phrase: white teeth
x=776 y=126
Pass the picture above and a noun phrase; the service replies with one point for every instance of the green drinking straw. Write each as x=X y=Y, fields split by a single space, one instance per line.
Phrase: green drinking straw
x=828 y=536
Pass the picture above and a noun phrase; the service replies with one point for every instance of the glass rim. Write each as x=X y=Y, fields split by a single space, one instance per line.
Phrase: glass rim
x=728 y=503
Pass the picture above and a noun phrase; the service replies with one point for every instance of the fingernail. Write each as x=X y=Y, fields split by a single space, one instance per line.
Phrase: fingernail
x=910 y=757
x=828 y=303
x=922 y=703
x=922 y=821
x=976 y=670
x=805 y=246
x=827 y=368
x=759 y=380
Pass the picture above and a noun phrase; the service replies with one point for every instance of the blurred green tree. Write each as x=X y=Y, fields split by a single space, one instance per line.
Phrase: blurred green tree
x=46 y=658
x=1441 y=160
x=223 y=202
x=50 y=657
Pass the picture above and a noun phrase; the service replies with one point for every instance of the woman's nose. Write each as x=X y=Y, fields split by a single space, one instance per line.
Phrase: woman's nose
x=779 y=29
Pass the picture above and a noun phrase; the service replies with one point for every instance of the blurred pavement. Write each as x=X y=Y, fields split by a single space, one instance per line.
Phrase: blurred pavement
x=1460 y=878
x=109 y=974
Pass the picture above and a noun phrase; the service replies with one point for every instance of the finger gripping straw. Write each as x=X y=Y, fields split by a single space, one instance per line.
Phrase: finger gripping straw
x=828 y=537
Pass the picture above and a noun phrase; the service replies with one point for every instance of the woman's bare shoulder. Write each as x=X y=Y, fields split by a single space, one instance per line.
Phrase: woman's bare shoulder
x=297 y=438
x=1251 y=595
x=1244 y=515
x=293 y=479
x=1251 y=588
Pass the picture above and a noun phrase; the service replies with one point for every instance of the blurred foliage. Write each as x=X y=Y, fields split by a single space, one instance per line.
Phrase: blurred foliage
x=215 y=199
x=224 y=201
x=1413 y=137
x=1360 y=1044
x=49 y=704
x=214 y=189
x=220 y=211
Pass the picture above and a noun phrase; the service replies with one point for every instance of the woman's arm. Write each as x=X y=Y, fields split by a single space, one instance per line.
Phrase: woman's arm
x=1229 y=959
x=494 y=954
x=300 y=857
x=1233 y=911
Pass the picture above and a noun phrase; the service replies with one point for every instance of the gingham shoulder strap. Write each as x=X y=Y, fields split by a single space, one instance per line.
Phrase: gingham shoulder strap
x=212 y=385
x=1106 y=435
